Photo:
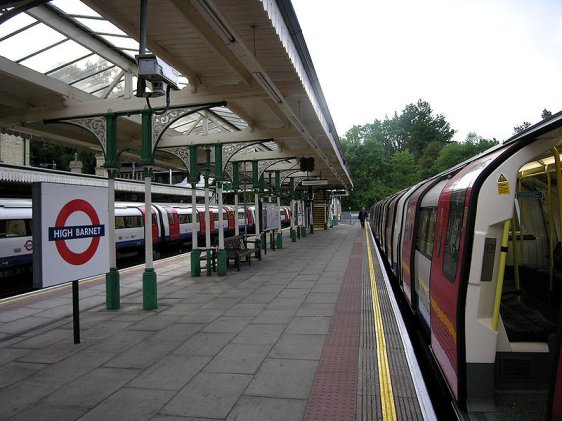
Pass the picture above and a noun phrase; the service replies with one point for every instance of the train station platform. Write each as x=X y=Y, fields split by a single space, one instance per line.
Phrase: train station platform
x=307 y=333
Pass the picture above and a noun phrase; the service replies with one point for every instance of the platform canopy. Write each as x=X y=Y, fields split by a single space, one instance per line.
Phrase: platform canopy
x=245 y=61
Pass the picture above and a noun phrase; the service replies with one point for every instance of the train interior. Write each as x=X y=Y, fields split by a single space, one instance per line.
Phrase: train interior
x=532 y=288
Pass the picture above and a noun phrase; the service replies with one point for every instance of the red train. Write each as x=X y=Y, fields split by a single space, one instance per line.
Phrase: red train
x=476 y=251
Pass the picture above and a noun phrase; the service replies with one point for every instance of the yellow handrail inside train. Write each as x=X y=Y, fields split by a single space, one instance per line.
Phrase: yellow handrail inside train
x=550 y=220
x=559 y=188
x=501 y=273
x=515 y=254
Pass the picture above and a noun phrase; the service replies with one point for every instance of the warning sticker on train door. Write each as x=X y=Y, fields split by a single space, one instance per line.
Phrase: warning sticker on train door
x=503 y=185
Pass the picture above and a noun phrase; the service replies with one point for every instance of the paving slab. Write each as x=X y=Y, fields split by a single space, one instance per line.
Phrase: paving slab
x=92 y=388
x=253 y=408
x=239 y=359
x=172 y=372
x=298 y=347
x=282 y=378
x=209 y=395
x=129 y=404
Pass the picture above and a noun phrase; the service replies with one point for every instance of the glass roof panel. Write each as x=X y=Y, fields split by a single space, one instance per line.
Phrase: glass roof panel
x=29 y=41
x=101 y=25
x=81 y=69
x=98 y=81
x=124 y=43
x=15 y=24
x=56 y=57
x=73 y=7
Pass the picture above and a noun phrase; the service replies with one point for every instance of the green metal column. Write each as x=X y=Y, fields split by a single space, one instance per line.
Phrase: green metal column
x=221 y=253
x=112 y=282
x=149 y=294
x=279 y=238
x=193 y=178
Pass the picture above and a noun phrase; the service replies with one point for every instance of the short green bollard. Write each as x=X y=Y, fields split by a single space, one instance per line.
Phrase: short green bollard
x=195 y=263
x=112 y=299
x=293 y=235
x=149 y=300
x=279 y=244
x=221 y=262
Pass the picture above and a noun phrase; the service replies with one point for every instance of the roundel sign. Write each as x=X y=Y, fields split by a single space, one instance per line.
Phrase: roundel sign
x=73 y=226
x=61 y=232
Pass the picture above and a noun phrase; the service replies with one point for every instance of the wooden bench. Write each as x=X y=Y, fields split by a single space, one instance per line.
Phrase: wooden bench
x=237 y=248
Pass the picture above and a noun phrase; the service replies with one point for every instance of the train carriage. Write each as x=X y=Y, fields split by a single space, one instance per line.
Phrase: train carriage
x=480 y=262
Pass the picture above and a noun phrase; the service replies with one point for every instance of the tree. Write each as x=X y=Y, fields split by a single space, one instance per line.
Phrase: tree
x=546 y=114
x=389 y=155
x=58 y=157
x=455 y=152
x=521 y=127
x=419 y=127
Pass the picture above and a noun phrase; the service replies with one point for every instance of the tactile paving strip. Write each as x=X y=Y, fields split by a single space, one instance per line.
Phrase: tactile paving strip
x=368 y=397
x=334 y=393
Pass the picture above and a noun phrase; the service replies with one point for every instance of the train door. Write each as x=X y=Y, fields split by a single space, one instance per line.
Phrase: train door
x=444 y=278
x=390 y=225
x=231 y=219
x=173 y=223
x=397 y=234
x=202 y=223
x=423 y=250
x=408 y=242
x=155 y=238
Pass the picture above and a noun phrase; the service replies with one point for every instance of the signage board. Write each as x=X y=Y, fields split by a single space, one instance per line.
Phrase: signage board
x=70 y=224
x=270 y=216
x=318 y=182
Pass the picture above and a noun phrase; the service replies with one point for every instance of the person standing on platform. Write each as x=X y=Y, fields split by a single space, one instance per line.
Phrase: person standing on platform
x=362 y=216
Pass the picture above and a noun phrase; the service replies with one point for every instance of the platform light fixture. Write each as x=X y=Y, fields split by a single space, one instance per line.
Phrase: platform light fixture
x=297 y=124
x=214 y=20
x=267 y=86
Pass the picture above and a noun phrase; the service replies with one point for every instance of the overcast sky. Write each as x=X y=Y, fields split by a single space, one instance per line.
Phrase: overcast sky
x=486 y=65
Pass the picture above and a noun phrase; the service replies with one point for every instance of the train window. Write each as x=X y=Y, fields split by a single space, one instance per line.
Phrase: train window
x=409 y=224
x=225 y=216
x=426 y=231
x=119 y=222
x=133 y=221
x=171 y=220
x=185 y=218
x=453 y=234
x=13 y=228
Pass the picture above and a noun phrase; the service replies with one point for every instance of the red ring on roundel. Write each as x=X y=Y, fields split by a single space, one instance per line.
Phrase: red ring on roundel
x=77 y=205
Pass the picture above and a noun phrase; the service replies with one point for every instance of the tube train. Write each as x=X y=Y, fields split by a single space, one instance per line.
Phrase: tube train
x=171 y=226
x=476 y=253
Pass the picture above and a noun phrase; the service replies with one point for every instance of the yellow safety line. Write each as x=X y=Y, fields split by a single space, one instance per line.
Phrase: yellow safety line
x=69 y=285
x=387 y=395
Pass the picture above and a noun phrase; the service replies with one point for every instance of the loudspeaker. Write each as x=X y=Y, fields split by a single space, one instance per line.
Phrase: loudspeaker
x=307 y=164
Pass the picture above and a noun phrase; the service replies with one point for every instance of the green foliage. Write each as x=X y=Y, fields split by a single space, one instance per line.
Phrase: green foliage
x=58 y=157
x=455 y=152
x=393 y=154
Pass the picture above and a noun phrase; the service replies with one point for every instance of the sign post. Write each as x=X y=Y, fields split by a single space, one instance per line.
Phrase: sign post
x=69 y=225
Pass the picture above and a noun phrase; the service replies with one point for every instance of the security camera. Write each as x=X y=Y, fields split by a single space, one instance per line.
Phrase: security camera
x=159 y=73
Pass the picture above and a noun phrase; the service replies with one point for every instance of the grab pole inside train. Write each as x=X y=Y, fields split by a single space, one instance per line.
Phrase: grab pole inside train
x=501 y=273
